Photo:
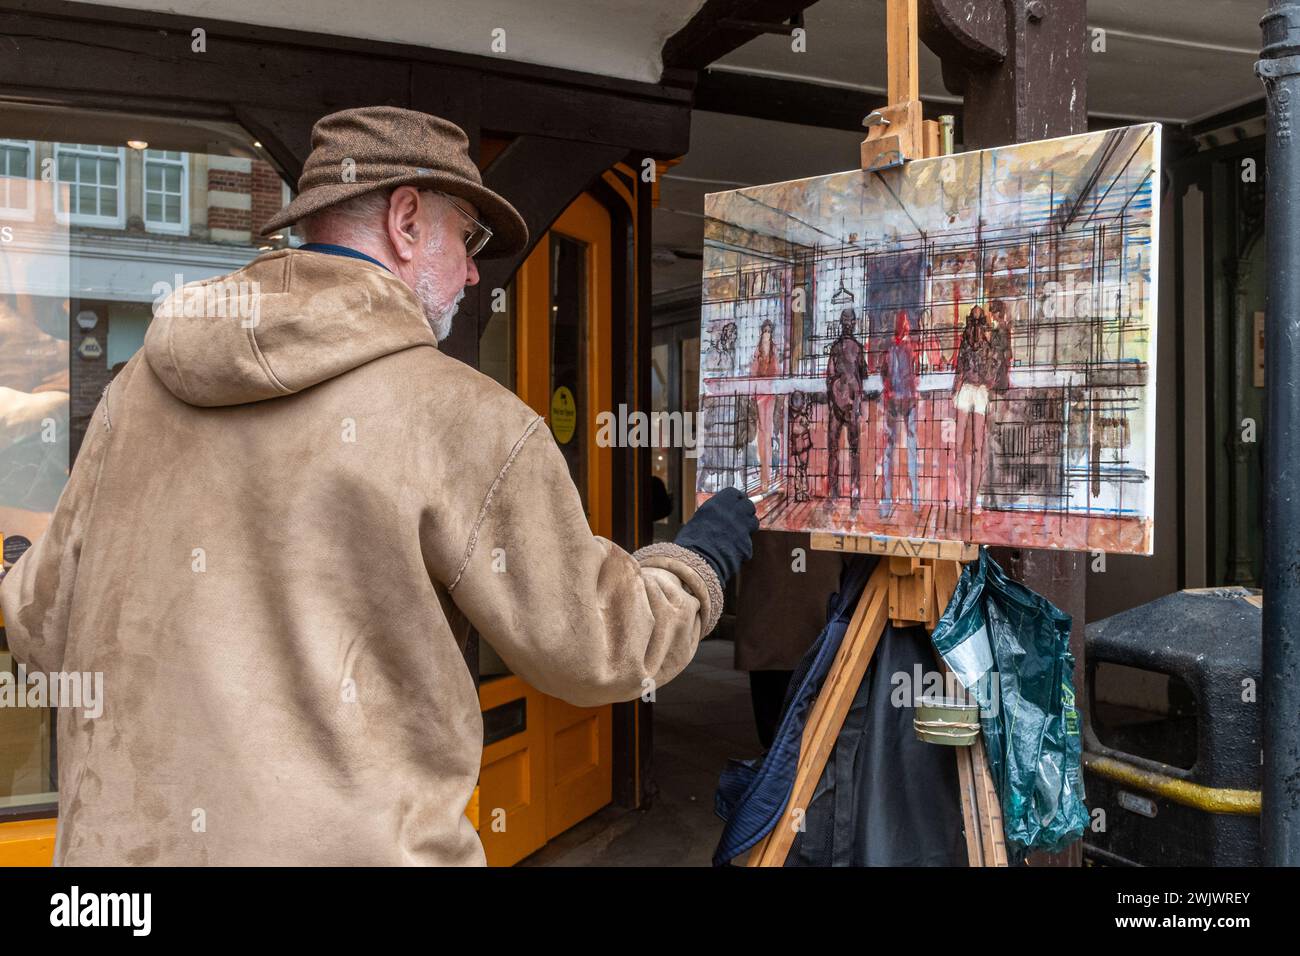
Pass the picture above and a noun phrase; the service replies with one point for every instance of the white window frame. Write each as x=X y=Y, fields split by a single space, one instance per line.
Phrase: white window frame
x=16 y=212
x=171 y=228
x=61 y=213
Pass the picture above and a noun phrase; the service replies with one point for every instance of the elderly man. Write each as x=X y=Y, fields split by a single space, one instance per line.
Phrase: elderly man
x=284 y=520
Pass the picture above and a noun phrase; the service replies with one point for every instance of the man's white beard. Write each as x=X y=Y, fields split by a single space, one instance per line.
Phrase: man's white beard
x=438 y=316
x=437 y=312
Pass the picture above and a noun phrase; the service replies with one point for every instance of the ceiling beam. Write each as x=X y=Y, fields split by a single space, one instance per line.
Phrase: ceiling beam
x=721 y=26
x=795 y=101
x=1243 y=113
x=77 y=53
x=93 y=19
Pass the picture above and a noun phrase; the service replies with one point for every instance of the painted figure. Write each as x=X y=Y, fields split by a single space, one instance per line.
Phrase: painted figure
x=764 y=366
x=976 y=372
x=1000 y=338
x=846 y=373
x=721 y=353
x=898 y=370
x=800 y=442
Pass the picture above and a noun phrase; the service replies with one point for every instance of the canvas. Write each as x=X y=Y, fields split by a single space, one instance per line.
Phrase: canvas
x=960 y=348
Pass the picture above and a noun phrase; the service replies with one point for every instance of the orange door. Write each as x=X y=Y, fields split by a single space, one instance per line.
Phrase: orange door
x=557 y=769
x=512 y=799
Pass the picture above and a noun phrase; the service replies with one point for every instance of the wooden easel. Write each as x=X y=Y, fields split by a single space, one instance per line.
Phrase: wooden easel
x=911 y=585
x=915 y=579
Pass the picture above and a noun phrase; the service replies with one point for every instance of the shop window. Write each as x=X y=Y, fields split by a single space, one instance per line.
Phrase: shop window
x=76 y=299
x=93 y=177
x=166 y=191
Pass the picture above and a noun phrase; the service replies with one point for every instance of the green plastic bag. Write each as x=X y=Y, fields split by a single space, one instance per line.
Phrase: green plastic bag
x=1010 y=648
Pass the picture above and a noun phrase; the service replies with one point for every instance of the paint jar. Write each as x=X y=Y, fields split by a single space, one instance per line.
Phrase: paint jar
x=947 y=721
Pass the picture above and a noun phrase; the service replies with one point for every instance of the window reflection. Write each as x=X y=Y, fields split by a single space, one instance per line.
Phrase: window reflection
x=83 y=255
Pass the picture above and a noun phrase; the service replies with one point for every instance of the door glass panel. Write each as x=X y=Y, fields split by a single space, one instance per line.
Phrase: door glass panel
x=568 y=413
x=661 y=458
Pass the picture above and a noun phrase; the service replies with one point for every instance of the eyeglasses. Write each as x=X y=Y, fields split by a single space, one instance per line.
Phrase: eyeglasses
x=478 y=237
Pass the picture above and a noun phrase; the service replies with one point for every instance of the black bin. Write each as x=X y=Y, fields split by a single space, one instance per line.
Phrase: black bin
x=1173 y=732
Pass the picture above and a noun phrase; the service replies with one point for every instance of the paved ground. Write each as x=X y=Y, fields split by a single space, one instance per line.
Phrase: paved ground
x=700 y=719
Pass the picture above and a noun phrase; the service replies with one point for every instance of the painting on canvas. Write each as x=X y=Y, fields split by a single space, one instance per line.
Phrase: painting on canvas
x=960 y=348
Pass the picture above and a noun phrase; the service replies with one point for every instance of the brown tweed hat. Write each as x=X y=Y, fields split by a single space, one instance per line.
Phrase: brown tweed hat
x=358 y=151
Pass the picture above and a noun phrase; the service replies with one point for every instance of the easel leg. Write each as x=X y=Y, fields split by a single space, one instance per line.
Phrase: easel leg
x=980 y=810
x=969 y=807
x=991 y=833
x=828 y=714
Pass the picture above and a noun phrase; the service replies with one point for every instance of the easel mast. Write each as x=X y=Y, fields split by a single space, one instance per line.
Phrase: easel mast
x=914 y=580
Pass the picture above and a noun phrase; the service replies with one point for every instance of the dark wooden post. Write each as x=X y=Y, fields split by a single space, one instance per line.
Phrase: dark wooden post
x=1022 y=67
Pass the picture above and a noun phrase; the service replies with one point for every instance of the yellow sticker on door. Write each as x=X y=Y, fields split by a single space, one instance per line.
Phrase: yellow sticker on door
x=564 y=415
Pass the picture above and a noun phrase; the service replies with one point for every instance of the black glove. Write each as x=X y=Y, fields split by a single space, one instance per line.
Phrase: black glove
x=720 y=532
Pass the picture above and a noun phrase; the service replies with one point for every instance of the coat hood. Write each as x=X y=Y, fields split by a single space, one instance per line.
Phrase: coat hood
x=285 y=322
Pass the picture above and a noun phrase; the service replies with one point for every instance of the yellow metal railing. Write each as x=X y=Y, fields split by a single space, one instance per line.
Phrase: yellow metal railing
x=1199 y=796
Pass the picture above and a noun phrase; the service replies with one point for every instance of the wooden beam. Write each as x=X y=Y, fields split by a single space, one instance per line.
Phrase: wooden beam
x=647 y=125
x=285 y=134
x=721 y=26
x=973 y=36
x=565 y=168
x=95 y=16
x=85 y=54
x=1021 y=65
x=795 y=101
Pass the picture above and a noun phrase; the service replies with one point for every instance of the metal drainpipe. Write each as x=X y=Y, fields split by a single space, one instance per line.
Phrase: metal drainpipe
x=1279 y=68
